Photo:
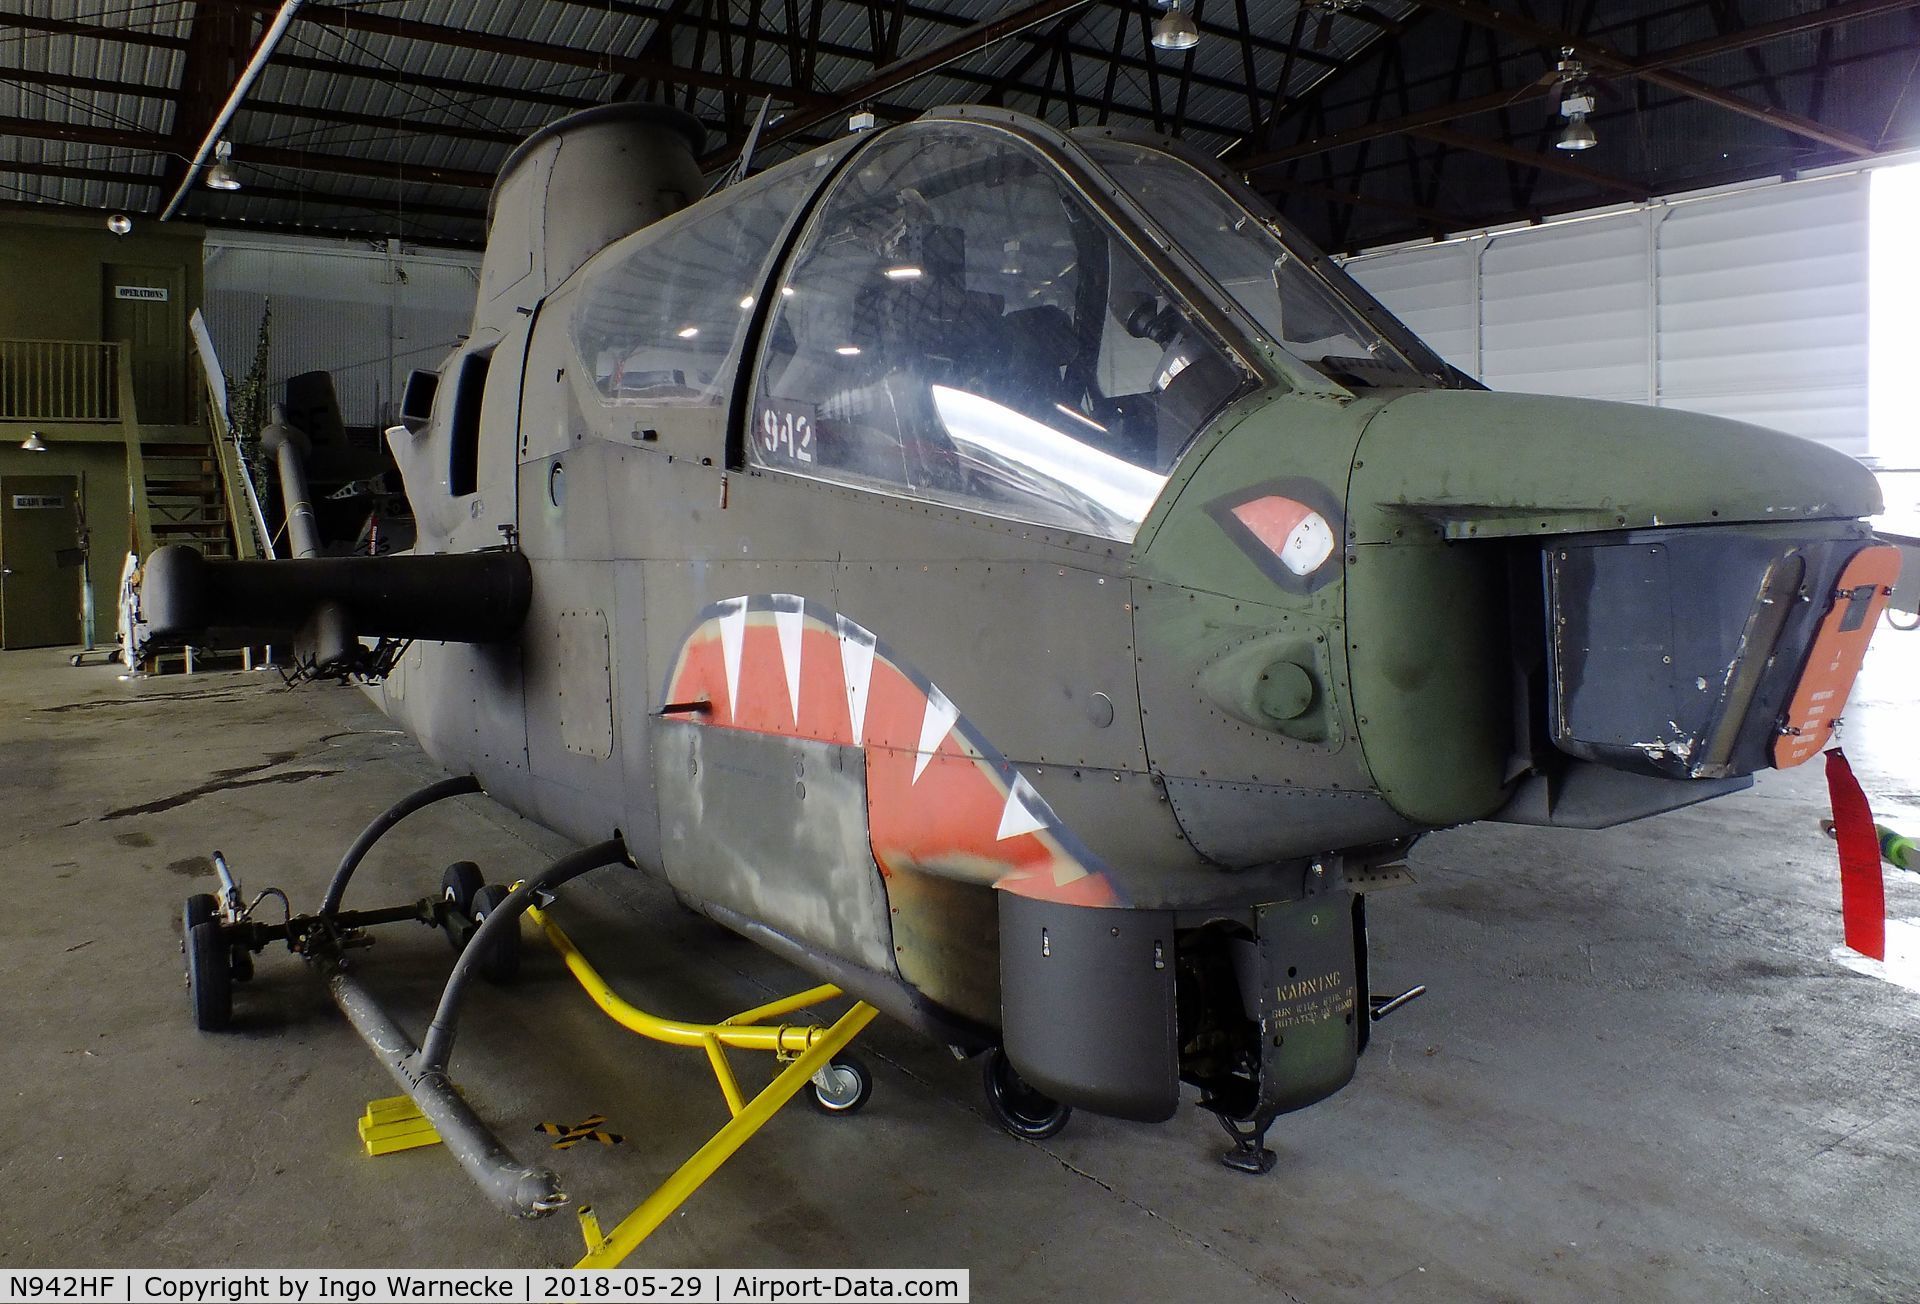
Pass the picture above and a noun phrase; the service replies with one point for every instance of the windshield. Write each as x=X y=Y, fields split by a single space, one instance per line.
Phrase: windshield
x=959 y=325
x=1290 y=301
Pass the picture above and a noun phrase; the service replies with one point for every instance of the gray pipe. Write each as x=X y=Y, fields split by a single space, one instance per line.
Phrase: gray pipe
x=289 y=446
x=263 y=52
x=526 y=1192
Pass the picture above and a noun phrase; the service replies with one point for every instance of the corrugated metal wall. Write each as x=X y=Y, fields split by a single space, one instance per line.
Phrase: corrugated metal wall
x=368 y=315
x=1749 y=304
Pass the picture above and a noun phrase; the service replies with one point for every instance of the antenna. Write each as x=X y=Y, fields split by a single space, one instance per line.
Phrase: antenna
x=741 y=165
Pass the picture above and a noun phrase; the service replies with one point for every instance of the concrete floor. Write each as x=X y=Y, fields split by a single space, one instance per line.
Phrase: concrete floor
x=1641 y=1073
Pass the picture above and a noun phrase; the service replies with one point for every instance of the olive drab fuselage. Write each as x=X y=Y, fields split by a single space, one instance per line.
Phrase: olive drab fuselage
x=1010 y=574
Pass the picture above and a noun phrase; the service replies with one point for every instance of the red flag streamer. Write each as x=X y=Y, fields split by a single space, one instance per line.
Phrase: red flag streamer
x=1863 y=896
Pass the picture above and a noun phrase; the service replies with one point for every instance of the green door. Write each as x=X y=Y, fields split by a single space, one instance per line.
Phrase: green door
x=39 y=597
x=145 y=305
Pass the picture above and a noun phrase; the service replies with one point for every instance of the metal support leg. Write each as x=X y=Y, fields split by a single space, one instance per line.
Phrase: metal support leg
x=611 y=1249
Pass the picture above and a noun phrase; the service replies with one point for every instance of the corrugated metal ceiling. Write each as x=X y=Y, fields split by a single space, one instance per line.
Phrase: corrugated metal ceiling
x=384 y=118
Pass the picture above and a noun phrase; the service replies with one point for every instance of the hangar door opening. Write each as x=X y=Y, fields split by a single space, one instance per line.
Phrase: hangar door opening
x=39 y=551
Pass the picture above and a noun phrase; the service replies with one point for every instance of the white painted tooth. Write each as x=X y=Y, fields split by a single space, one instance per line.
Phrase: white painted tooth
x=733 y=633
x=934 y=726
x=856 y=670
x=789 y=618
x=1025 y=812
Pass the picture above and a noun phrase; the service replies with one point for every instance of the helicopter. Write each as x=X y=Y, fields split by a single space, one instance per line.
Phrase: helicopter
x=1011 y=574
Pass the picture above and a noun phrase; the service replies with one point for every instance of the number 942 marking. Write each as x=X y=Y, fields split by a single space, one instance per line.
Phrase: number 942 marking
x=785 y=435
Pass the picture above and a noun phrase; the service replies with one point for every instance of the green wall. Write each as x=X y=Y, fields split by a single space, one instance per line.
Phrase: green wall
x=53 y=260
x=52 y=288
x=105 y=469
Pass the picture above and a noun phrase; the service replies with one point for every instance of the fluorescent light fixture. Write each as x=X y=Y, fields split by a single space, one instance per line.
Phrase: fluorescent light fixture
x=687 y=332
x=746 y=303
x=848 y=350
x=902 y=273
x=1043 y=458
x=1081 y=417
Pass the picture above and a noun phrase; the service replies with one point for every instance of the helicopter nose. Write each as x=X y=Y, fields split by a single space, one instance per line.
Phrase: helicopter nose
x=1357 y=619
x=1628 y=587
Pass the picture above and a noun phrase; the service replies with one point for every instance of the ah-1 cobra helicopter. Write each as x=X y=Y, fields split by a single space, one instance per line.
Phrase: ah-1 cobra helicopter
x=1012 y=575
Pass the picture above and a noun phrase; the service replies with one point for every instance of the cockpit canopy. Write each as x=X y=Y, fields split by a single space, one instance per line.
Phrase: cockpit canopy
x=967 y=316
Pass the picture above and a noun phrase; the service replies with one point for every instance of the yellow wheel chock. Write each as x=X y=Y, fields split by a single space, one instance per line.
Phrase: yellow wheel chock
x=395 y=1123
x=805 y=1049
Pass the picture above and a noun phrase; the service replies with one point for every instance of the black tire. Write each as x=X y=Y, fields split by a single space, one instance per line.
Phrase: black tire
x=500 y=962
x=209 y=976
x=1018 y=1108
x=851 y=1085
x=200 y=907
x=458 y=884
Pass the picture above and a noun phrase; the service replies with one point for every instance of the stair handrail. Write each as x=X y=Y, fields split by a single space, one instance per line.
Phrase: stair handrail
x=245 y=520
x=139 y=511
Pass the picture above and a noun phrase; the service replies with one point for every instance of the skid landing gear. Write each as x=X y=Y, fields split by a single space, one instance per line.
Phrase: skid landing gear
x=1249 y=1153
x=482 y=921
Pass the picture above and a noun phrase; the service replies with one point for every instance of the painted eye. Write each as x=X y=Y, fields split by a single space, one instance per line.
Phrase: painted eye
x=1299 y=536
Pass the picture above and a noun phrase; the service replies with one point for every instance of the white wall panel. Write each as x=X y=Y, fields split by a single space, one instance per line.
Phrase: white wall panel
x=1564 y=310
x=1432 y=290
x=366 y=316
x=1750 y=304
x=1763 y=308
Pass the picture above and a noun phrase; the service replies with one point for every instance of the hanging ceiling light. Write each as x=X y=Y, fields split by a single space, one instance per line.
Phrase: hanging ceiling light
x=1174 y=30
x=119 y=224
x=34 y=444
x=1577 y=135
x=221 y=175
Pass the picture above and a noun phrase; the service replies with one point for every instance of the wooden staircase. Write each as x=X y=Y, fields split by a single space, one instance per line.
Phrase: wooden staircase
x=186 y=502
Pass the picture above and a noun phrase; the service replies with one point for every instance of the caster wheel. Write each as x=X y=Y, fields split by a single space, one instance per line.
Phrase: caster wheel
x=457 y=886
x=200 y=907
x=842 y=1087
x=501 y=961
x=1017 y=1107
x=209 y=976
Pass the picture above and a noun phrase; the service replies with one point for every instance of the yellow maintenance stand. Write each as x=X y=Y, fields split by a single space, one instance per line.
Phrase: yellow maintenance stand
x=806 y=1050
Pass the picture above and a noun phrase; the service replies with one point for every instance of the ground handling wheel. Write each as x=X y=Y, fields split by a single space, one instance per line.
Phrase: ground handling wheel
x=458 y=884
x=200 y=907
x=209 y=975
x=500 y=962
x=1017 y=1107
x=457 y=887
x=842 y=1087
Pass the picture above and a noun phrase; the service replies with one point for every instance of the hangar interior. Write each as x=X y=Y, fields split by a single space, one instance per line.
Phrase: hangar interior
x=1644 y=1064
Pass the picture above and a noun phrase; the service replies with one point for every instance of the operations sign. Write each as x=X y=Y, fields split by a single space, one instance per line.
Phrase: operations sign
x=146 y=293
